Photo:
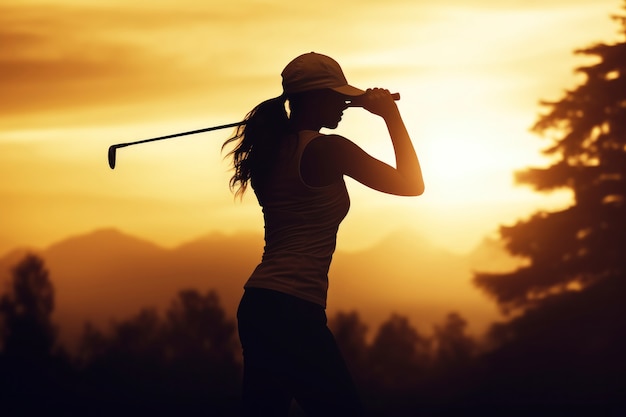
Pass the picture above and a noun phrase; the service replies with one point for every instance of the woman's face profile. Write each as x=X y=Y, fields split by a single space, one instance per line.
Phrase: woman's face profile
x=330 y=108
x=324 y=108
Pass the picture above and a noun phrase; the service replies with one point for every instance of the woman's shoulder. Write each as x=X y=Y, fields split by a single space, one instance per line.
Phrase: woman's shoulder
x=328 y=144
x=307 y=137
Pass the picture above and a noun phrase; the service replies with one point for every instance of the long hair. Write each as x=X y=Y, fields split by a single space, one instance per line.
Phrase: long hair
x=259 y=140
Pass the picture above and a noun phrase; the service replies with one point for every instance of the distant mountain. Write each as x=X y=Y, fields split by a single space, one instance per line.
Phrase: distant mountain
x=491 y=256
x=406 y=274
x=108 y=275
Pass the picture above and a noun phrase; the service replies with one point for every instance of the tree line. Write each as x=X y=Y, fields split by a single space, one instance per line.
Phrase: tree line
x=187 y=359
x=564 y=356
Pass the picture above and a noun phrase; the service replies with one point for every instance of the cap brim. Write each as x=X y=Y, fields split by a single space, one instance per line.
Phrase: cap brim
x=349 y=90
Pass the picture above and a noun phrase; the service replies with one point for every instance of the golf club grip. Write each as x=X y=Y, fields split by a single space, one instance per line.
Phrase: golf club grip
x=395 y=96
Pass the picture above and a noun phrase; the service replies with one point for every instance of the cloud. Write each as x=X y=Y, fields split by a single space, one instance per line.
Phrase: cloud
x=51 y=61
x=70 y=62
x=59 y=62
x=58 y=59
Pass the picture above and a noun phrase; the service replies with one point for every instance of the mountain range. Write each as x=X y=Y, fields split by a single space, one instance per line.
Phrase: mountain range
x=108 y=275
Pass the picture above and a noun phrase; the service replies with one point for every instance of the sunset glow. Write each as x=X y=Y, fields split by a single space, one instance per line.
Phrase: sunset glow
x=153 y=289
x=78 y=77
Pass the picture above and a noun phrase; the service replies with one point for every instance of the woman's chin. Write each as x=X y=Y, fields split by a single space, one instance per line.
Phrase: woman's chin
x=332 y=125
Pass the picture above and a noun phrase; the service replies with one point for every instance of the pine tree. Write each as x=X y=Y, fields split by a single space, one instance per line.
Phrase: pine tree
x=26 y=311
x=584 y=244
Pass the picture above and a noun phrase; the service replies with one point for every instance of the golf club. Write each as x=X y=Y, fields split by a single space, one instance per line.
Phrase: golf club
x=113 y=148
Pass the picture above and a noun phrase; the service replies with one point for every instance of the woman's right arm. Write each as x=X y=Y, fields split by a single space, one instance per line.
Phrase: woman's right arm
x=349 y=159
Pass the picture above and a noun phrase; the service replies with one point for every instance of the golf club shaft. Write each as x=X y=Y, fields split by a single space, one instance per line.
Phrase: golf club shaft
x=191 y=132
x=113 y=148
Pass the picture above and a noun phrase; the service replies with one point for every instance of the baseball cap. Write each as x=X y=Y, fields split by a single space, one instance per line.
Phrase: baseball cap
x=313 y=71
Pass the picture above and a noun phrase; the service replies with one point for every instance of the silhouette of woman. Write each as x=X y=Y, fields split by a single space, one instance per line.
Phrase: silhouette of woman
x=297 y=175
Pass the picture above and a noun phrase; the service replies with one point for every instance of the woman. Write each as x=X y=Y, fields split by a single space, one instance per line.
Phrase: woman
x=297 y=176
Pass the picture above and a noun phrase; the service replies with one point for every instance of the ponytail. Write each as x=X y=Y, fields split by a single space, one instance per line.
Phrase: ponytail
x=258 y=143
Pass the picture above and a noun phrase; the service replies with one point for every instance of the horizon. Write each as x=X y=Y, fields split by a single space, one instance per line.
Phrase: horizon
x=114 y=262
x=217 y=233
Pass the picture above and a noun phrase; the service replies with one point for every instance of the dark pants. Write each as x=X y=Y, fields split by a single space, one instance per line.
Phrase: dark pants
x=289 y=353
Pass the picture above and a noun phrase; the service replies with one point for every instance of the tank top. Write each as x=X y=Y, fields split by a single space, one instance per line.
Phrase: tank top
x=301 y=224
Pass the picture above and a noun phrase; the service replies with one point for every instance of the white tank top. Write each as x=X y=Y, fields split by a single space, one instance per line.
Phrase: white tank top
x=301 y=224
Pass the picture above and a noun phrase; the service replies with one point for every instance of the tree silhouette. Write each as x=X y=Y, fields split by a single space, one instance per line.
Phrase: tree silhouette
x=564 y=352
x=203 y=351
x=182 y=362
x=350 y=333
x=26 y=310
x=453 y=346
x=35 y=373
x=197 y=327
x=398 y=354
x=579 y=246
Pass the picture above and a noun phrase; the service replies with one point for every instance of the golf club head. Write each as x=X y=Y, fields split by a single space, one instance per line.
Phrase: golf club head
x=112 y=150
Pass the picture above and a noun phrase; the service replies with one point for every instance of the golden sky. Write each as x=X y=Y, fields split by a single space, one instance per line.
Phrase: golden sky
x=77 y=76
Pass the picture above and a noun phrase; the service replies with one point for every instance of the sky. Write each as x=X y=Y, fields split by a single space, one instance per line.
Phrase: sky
x=77 y=77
